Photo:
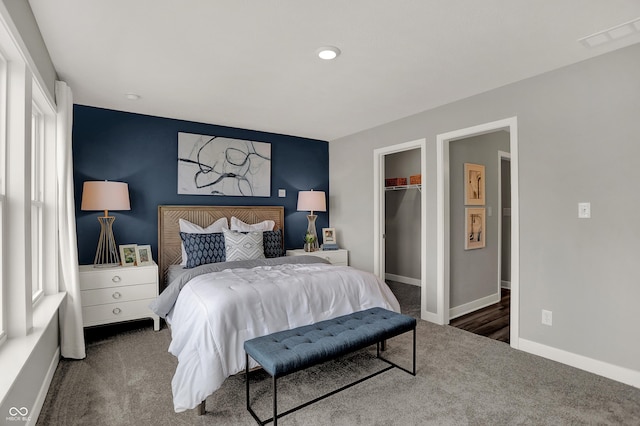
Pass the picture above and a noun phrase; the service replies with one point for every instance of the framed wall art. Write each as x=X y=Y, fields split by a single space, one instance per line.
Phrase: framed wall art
x=475 y=225
x=214 y=165
x=474 y=178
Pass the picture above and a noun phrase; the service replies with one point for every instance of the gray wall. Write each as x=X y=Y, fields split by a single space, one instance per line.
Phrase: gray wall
x=402 y=217
x=578 y=133
x=474 y=273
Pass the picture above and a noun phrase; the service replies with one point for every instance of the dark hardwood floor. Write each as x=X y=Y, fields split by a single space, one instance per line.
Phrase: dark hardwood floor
x=492 y=321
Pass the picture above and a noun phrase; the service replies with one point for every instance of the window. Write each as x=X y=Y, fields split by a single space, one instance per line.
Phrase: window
x=37 y=201
x=28 y=228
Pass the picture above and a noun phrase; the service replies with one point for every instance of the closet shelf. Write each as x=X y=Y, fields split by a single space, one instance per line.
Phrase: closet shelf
x=403 y=187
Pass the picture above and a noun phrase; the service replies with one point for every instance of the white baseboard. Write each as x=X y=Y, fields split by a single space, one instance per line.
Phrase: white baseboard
x=601 y=368
x=401 y=279
x=42 y=394
x=505 y=284
x=458 y=311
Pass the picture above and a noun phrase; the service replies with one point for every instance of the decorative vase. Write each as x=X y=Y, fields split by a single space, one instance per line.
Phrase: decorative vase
x=308 y=247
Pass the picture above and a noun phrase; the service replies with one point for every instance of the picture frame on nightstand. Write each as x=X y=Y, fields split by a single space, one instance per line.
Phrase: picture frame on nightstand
x=143 y=255
x=329 y=236
x=128 y=254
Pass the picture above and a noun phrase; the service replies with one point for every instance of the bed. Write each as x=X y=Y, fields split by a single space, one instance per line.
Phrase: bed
x=212 y=308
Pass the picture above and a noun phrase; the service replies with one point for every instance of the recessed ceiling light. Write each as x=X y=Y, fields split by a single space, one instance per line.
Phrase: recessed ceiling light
x=328 y=52
x=132 y=96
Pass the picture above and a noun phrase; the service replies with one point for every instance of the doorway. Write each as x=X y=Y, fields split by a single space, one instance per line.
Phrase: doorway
x=379 y=158
x=444 y=219
x=477 y=302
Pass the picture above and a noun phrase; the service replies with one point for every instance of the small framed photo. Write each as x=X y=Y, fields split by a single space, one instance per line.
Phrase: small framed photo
x=128 y=254
x=475 y=228
x=474 y=178
x=329 y=236
x=143 y=255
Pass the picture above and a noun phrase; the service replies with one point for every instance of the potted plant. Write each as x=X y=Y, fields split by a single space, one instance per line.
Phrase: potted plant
x=309 y=239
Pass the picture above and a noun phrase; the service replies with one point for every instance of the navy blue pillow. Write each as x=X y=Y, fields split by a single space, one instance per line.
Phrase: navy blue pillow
x=203 y=248
x=272 y=242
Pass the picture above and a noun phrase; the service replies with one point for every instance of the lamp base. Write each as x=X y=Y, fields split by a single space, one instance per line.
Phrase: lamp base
x=311 y=229
x=107 y=252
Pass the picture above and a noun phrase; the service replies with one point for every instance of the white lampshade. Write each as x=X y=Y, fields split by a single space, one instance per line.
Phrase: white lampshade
x=105 y=195
x=310 y=201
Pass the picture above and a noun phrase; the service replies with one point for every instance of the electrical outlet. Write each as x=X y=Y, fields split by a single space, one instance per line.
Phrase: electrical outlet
x=547 y=317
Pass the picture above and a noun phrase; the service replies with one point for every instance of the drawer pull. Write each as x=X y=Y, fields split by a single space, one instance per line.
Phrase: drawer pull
x=116 y=279
x=116 y=311
x=116 y=295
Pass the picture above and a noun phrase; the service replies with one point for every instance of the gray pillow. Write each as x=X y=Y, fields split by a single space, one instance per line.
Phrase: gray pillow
x=239 y=246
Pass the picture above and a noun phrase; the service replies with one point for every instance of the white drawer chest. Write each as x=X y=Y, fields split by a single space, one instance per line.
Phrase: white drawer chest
x=118 y=294
x=336 y=257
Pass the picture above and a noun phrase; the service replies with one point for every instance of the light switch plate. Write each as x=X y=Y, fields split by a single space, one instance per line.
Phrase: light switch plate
x=282 y=193
x=584 y=210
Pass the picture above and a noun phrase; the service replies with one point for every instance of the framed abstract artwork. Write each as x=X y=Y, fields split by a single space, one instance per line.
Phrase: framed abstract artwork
x=213 y=165
x=474 y=178
x=475 y=226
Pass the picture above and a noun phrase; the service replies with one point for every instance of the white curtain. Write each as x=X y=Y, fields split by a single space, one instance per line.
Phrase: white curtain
x=71 y=332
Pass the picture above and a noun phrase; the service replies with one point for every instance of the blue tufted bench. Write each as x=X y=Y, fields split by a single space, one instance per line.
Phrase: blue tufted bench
x=289 y=351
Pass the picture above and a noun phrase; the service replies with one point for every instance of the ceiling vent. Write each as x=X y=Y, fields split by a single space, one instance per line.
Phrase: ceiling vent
x=611 y=34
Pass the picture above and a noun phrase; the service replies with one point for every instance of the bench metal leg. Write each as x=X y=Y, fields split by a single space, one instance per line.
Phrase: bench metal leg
x=274 y=419
x=413 y=370
x=275 y=401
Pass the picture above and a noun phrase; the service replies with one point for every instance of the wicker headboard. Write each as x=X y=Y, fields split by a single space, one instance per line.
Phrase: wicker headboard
x=169 y=252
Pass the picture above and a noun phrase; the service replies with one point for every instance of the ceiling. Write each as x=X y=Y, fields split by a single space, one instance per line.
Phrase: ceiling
x=252 y=64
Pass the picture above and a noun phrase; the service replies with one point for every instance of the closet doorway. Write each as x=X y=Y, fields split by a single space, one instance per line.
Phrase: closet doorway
x=399 y=247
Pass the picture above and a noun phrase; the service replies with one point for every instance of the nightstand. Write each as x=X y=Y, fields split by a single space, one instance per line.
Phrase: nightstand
x=336 y=257
x=118 y=294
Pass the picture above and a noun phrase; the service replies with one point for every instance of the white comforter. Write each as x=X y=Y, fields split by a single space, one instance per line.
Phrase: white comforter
x=215 y=313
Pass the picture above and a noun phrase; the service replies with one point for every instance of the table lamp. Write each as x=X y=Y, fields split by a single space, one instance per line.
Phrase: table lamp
x=105 y=196
x=312 y=201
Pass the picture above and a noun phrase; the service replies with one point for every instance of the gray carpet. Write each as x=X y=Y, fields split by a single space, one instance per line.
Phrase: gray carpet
x=463 y=379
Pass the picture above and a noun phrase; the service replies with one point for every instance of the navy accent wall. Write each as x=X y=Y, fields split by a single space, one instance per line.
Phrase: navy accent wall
x=142 y=151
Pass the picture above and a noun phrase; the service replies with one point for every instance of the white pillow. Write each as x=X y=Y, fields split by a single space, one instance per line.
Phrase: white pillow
x=240 y=246
x=192 y=228
x=238 y=225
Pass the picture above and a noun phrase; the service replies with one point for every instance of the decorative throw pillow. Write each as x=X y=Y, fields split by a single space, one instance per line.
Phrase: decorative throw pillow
x=238 y=225
x=240 y=246
x=203 y=248
x=192 y=228
x=272 y=242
